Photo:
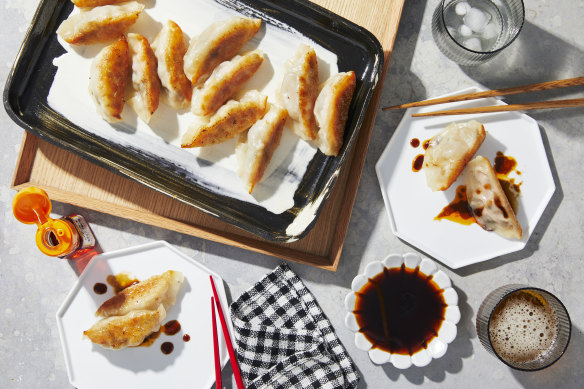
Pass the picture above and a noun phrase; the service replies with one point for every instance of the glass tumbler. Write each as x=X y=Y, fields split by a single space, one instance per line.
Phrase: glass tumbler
x=470 y=32
x=526 y=328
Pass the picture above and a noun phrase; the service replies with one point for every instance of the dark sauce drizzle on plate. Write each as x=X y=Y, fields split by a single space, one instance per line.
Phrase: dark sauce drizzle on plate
x=99 y=288
x=459 y=211
x=418 y=162
x=122 y=281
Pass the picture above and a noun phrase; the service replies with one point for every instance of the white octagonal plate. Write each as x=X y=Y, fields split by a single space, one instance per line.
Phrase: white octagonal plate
x=412 y=206
x=191 y=364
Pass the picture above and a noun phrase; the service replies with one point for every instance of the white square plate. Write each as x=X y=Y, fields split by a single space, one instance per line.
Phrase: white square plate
x=412 y=206
x=191 y=364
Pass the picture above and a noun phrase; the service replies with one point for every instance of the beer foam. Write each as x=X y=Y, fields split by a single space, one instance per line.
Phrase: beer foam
x=523 y=327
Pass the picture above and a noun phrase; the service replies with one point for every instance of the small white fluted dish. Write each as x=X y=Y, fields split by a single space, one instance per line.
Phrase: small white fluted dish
x=447 y=332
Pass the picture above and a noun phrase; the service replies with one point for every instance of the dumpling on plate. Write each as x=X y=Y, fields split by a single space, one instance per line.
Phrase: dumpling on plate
x=486 y=198
x=145 y=81
x=95 y=3
x=332 y=109
x=225 y=81
x=100 y=24
x=170 y=47
x=449 y=151
x=118 y=332
x=109 y=75
x=217 y=43
x=299 y=91
x=256 y=146
x=231 y=119
x=146 y=295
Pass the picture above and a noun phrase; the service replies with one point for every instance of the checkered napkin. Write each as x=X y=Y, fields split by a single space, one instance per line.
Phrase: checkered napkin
x=284 y=340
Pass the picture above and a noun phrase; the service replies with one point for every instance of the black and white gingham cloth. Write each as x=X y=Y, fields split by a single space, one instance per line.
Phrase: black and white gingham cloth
x=285 y=341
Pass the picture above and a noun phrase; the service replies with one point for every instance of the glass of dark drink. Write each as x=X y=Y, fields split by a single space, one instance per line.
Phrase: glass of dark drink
x=527 y=328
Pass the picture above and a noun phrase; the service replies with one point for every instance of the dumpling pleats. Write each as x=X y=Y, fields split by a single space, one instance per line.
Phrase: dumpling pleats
x=118 y=332
x=100 y=24
x=332 y=110
x=148 y=294
x=169 y=47
x=231 y=119
x=145 y=81
x=486 y=198
x=109 y=75
x=217 y=43
x=299 y=91
x=225 y=81
x=449 y=151
x=256 y=146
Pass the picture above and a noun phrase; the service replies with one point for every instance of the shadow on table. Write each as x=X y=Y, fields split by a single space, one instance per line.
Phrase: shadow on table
x=400 y=85
x=452 y=361
x=567 y=372
x=535 y=56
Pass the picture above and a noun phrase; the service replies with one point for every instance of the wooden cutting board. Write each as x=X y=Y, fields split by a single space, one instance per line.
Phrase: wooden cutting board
x=71 y=179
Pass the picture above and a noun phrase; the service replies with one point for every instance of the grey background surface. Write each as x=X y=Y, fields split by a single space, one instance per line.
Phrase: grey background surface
x=33 y=286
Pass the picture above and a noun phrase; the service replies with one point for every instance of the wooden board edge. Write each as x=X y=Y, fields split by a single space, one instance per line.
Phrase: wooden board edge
x=250 y=244
x=356 y=167
x=25 y=160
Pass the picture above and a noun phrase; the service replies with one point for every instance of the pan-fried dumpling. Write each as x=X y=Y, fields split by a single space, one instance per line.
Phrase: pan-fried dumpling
x=145 y=81
x=225 y=81
x=299 y=91
x=148 y=295
x=169 y=47
x=100 y=24
x=449 y=151
x=109 y=75
x=231 y=119
x=95 y=3
x=118 y=332
x=217 y=43
x=331 y=111
x=486 y=198
x=256 y=146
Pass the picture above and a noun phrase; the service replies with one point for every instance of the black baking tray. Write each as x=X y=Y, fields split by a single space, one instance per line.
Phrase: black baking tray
x=30 y=80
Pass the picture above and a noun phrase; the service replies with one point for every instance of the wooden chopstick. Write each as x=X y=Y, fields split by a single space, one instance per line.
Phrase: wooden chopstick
x=232 y=358
x=503 y=108
x=218 y=382
x=497 y=92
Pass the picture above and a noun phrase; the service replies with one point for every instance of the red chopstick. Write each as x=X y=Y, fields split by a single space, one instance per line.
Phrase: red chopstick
x=218 y=383
x=232 y=357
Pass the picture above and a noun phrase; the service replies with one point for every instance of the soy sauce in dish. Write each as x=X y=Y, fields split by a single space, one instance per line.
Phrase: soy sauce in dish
x=415 y=142
x=400 y=310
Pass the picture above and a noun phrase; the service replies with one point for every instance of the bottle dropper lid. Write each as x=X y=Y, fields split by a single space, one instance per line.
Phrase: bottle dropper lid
x=33 y=206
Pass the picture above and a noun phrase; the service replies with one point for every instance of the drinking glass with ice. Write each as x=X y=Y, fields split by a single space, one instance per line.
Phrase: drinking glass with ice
x=472 y=31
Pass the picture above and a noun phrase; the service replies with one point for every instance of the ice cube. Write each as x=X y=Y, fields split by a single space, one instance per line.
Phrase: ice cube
x=465 y=30
x=473 y=44
x=451 y=31
x=462 y=8
x=476 y=19
x=491 y=31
